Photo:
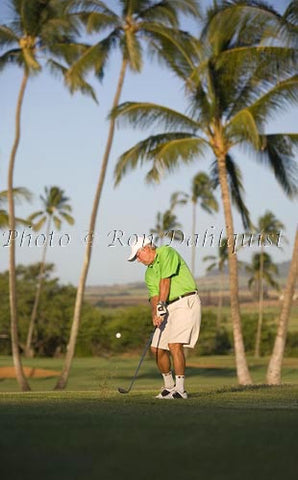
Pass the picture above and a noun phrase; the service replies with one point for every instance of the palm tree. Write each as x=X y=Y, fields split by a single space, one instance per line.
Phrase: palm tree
x=36 y=27
x=269 y=270
x=275 y=363
x=262 y=270
x=233 y=88
x=166 y=223
x=56 y=209
x=269 y=227
x=219 y=262
x=201 y=188
x=153 y=22
x=19 y=193
x=236 y=187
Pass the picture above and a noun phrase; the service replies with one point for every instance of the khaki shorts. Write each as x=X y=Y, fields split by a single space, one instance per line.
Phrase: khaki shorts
x=182 y=324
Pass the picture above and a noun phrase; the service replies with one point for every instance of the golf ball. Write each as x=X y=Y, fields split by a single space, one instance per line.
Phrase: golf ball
x=118 y=335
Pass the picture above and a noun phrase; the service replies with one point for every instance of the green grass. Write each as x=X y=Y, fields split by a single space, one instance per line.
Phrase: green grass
x=89 y=374
x=92 y=432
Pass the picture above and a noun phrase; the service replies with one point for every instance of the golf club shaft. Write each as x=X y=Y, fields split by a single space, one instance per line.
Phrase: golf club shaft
x=140 y=363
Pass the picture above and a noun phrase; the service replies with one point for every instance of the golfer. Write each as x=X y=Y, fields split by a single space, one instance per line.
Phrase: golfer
x=176 y=311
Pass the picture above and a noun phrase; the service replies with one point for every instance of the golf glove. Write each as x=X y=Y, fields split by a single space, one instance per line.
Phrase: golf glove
x=161 y=309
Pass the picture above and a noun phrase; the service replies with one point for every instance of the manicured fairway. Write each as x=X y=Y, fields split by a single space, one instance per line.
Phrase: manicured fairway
x=221 y=432
x=217 y=434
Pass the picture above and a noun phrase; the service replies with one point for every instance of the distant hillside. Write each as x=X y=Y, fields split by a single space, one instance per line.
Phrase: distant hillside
x=136 y=292
x=283 y=269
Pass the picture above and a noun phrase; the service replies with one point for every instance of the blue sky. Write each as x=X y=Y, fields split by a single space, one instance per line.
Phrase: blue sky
x=63 y=138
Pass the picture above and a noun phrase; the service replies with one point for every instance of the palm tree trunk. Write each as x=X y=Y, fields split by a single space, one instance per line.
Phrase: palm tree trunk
x=243 y=374
x=193 y=251
x=62 y=381
x=274 y=368
x=21 y=379
x=29 y=352
x=261 y=300
x=219 y=307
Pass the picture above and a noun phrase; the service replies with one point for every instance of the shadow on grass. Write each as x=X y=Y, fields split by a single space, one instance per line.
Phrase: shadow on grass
x=150 y=374
x=210 y=372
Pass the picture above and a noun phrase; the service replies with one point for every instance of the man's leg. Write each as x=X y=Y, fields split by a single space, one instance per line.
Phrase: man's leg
x=177 y=353
x=164 y=365
x=162 y=358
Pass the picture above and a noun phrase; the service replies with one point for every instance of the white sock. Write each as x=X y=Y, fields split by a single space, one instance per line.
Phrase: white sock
x=180 y=383
x=168 y=380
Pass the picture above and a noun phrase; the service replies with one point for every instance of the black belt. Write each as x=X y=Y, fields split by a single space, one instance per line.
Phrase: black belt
x=182 y=296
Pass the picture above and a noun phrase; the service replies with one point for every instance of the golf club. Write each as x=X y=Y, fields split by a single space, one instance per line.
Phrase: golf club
x=124 y=390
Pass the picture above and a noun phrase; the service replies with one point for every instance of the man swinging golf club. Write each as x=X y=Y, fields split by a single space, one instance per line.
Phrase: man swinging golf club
x=176 y=311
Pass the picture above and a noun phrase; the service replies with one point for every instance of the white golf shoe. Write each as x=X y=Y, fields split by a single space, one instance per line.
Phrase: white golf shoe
x=165 y=393
x=176 y=395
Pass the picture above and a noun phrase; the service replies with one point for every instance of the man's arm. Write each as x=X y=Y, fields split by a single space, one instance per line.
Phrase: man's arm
x=164 y=290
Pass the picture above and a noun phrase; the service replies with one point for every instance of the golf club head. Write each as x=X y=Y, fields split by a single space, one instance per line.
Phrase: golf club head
x=122 y=390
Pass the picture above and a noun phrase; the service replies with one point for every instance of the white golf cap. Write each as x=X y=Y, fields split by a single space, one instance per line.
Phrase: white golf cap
x=140 y=242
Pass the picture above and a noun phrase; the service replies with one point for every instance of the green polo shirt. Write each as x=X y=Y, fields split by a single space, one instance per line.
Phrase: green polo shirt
x=169 y=264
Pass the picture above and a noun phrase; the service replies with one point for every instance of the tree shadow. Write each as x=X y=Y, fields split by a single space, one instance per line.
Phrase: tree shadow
x=210 y=371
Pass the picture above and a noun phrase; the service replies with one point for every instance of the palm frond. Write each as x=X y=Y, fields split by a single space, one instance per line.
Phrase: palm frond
x=161 y=12
x=202 y=191
x=278 y=153
x=57 y=222
x=132 y=51
x=236 y=187
x=13 y=56
x=211 y=267
x=19 y=193
x=268 y=224
x=70 y=52
x=291 y=13
x=93 y=59
x=240 y=21
x=243 y=126
x=89 y=6
x=167 y=156
x=7 y=36
x=69 y=219
x=174 y=48
x=81 y=84
x=149 y=115
x=39 y=224
x=178 y=198
x=187 y=7
x=289 y=28
x=283 y=94
x=164 y=151
x=268 y=62
x=199 y=105
x=98 y=21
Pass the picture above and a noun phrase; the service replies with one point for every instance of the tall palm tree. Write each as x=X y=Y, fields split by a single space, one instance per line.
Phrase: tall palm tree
x=219 y=262
x=144 y=21
x=274 y=368
x=35 y=28
x=19 y=193
x=56 y=209
x=269 y=228
x=234 y=87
